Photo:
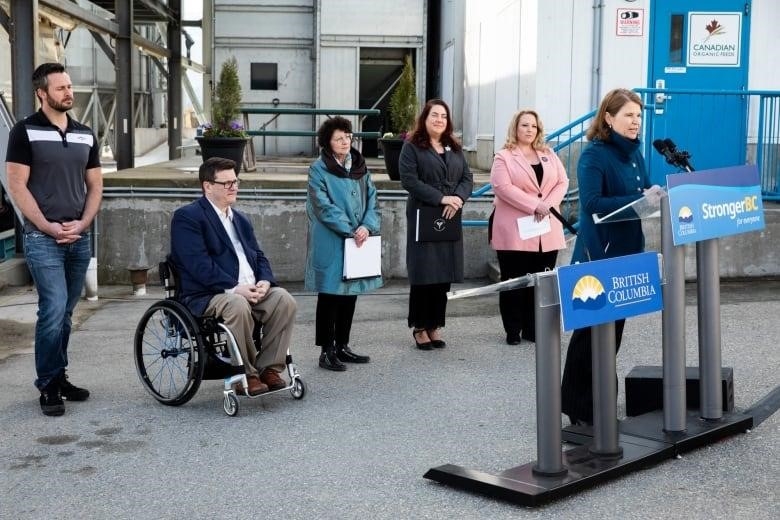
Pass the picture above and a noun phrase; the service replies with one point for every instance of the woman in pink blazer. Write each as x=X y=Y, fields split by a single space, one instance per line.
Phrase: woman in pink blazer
x=528 y=179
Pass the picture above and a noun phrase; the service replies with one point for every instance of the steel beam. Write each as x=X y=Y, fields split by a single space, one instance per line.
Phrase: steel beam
x=124 y=123
x=24 y=37
x=174 y=81
x=103 y=26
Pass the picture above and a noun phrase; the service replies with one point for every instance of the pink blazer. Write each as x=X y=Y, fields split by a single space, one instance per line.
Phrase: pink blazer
x=517 y=194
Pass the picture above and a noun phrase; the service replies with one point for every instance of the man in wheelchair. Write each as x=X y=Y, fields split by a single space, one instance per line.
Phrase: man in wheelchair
x=223 y=272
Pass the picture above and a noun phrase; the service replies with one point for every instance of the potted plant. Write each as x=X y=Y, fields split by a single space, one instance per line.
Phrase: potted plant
x=224 y=136
x=403 y=110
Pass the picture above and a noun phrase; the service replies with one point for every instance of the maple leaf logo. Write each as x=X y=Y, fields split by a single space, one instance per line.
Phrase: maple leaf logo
x=713 y=28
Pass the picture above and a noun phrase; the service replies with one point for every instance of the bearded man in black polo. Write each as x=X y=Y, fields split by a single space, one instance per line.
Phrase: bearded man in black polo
x=55 y=179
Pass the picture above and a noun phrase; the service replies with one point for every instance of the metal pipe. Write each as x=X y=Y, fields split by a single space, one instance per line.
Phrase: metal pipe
x=673 y=326
x=708 y=293
x=605 y=431
x=548 y=376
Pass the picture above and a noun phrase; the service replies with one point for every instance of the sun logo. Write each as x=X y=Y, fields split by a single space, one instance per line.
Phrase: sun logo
x=588 y=293
x=685 y=215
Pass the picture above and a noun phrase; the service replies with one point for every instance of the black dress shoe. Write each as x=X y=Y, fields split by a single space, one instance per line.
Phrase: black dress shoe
x=512 y=339
x=329 y=361
x=427 y=345
x=437 y=343
x=345 y=354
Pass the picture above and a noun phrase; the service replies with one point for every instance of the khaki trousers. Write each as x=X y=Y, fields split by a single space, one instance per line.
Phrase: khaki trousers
x=276 y=312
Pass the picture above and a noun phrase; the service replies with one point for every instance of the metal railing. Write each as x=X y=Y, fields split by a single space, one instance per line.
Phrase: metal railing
x=761 y=147
x=760 y=126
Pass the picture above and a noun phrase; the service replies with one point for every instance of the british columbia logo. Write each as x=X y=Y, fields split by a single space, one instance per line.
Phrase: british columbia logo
x=590 y=294
x=685 y=214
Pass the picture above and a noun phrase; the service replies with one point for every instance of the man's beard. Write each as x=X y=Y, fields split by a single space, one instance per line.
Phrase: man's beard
x=59 y=107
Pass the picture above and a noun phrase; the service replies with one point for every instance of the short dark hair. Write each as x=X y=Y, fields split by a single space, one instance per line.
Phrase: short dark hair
x=208 y=170
x=325 y=132
x=40 y=78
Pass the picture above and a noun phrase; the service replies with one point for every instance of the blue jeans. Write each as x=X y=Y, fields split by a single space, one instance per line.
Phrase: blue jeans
x=58 y=272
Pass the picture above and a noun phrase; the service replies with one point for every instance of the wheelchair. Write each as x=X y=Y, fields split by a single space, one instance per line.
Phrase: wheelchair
x=174 y=351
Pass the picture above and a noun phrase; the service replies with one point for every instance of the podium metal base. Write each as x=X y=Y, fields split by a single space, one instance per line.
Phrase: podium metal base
x=522 y=486
x=698 y=432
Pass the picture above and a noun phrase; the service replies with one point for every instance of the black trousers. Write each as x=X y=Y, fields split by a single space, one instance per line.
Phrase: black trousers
x=577 y=383
x=517 y=306
x=333 y=319
x=427 y=305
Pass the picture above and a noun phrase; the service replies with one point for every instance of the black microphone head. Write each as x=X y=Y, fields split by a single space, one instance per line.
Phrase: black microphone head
x=660 y=146
x=670 y=144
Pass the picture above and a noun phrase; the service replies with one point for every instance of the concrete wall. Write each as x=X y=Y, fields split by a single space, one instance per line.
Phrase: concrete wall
x=135 y=231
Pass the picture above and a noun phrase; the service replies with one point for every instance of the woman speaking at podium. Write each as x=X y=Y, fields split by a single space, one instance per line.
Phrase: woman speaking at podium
x=611 y=173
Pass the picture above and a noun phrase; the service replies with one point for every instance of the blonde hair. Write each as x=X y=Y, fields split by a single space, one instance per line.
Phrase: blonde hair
x=511 y=133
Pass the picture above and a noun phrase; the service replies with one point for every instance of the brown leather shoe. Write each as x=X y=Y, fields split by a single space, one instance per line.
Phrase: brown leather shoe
x=256 y=386
x=271 y=377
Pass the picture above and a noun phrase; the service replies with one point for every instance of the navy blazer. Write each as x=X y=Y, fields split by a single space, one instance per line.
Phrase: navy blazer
x=204 y=257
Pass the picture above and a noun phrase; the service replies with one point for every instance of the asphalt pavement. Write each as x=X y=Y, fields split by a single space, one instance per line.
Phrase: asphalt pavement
x=357 y=445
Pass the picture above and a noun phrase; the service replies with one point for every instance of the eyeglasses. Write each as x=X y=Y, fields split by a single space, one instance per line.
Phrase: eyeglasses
x=343 y=139
x=227 y=184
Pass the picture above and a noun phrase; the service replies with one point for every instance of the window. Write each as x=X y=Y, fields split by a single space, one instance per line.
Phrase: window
x=676 y=39
x=264 y=76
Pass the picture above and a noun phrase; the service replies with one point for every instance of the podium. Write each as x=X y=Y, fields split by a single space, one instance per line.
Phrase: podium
x=610 y=449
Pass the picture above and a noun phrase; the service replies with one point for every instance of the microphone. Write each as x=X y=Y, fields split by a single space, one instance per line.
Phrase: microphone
x=680 y=157
x=662 y=147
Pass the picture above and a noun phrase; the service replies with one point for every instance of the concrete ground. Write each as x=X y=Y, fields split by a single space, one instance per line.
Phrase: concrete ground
x=359 y=442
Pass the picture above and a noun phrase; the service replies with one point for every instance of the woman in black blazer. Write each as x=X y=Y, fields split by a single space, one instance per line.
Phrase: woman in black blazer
x=435 y=173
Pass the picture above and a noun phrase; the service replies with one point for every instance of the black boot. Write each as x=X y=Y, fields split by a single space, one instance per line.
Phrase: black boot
x=329 y=360
x=345 y=354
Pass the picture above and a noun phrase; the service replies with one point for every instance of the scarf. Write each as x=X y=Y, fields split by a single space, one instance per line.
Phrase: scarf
x=356 y=170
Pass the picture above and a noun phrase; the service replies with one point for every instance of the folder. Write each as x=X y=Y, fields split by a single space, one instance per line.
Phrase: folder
x=364 y=261
x=433 y=227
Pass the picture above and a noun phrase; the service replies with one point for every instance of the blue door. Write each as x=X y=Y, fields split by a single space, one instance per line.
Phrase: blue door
x=699 y=45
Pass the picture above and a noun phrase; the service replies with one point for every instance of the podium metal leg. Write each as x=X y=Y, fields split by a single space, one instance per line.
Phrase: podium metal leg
x=548 y=379
x=673 y=325
x=605 y=430
x=708 y=292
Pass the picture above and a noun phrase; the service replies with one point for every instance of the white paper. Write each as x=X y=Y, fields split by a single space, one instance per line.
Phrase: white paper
x=364 y=261
x=529 y=227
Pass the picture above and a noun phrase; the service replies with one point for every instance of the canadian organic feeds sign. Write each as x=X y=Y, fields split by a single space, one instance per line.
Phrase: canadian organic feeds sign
x=713 y=39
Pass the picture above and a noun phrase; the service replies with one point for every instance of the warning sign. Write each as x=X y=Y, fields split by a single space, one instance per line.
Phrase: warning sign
x=630 y=22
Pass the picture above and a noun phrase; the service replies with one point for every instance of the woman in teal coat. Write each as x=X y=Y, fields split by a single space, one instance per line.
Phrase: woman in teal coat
x=340 y=204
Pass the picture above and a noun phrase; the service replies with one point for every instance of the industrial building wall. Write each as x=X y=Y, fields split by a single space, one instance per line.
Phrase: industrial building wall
x=560 y=58
x=279 y=33
x=316 y=47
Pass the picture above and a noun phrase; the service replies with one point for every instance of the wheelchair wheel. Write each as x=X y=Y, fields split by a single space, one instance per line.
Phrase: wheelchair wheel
x=169 y=354
x=230 y=404
x=298 y=389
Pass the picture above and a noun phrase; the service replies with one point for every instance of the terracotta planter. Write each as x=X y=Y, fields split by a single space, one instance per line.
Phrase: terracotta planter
x=391 y=148
x=225 y=147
